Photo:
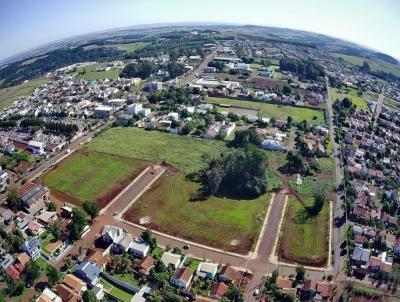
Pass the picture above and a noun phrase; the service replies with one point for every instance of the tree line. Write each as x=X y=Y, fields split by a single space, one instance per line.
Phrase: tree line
x=304 y=69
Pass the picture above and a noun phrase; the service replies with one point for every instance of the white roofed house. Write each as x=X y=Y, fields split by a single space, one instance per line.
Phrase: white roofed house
x=171 y=260
x=112 y=234
x=207 y=270
x=3 y=180
x=124 y=244
x=139 y=249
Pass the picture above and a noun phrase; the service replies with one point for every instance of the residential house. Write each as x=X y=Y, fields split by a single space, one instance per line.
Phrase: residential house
x=47 y=217
x=272 y=144
x=207 y=270
x=227 y=274
x=171 y=260
x=13 y=273
x=6 y=259
x=89 y=272
x=124 y=244
x=73 y=282
x=49 y=296
x=22 y=260
x=112 y=234
x=360 y=259
x=286 y=286
x=97 y=257
x=32 y=247
x=321 y=290
x=182 y=278
x=66 y=293
x=145 y=265
x=218 y=290
x=98 y=290
x=139 y=249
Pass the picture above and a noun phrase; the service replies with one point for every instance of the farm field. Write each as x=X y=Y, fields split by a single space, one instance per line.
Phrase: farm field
x=376 y=65
x=304 y=239
x=92 y=74
x=225 y=223
x=88 y=175
x=10 y=94
x=351 y=94
x=184 y=153
x=273 y=110
x=392 y=104
x=131 y=47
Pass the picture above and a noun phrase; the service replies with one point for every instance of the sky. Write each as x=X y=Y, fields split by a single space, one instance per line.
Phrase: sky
x=25 y=24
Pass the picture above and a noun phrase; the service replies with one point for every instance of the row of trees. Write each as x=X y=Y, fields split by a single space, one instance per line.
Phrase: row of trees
x=181 y=96
x=142 y=69
x=68 y=130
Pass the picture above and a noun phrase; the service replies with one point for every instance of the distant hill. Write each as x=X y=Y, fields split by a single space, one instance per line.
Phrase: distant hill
x=54 y=55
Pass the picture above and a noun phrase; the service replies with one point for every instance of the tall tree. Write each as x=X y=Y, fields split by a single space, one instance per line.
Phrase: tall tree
x=89 y=296
x=13 y=200
x=32 y=271
x=149 y=237
x=53 y=275
x=91 y=208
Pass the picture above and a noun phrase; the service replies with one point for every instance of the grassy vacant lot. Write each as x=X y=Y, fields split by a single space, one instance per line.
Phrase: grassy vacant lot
x=172 y=206
x=182 y=152
x=9 y=95
x=92 y=74
x=374 y=64
x=115 y=291
x=351 y=94
x=277 y=111
x=305 y=239
x=91 y=175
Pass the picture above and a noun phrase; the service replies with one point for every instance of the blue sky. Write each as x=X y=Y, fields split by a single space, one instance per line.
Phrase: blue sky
x=29 y=23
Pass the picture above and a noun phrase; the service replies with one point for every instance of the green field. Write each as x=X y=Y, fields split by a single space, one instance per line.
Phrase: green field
x=91 y=176
x=184 y=153
x=351 y=94
x=92 y=74
x=392 y=104
x=131 y=47
x=277 y=111
x=9 y=95
x=305 y=239
x=115 y=291
x=376 y=65
x=173 y=207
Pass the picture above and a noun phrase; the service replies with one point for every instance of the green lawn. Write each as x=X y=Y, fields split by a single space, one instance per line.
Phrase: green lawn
x=185 y=153
x=173 y=207
x=351 y=94
x=115 y=291
x=374 y=64
x=9 y=95
x=92 y=74
x=89 y=175
x=193 y=264
x=277 y=111
x=128 y=278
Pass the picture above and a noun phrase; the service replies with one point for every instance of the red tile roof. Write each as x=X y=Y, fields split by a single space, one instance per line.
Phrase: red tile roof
x=218 y=289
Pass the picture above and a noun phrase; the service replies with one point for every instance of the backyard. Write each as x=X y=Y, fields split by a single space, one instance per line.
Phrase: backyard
x=115 y=291
x=89 y=175
x=185 y=153
x=225 y=223
x=273 y=110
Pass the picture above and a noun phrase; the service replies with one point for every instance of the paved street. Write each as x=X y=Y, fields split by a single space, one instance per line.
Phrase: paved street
x=338 y=211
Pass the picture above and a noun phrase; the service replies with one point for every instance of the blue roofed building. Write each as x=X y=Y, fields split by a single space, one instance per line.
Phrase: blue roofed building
x=32 y=247
x=89 y=272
